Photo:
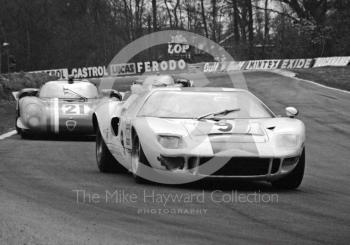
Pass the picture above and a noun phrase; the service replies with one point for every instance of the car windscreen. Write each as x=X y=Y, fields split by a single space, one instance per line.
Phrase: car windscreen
x=69 y=91
x=188 y=104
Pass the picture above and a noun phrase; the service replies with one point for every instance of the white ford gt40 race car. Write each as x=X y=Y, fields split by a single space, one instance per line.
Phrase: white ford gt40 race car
x=178 y=135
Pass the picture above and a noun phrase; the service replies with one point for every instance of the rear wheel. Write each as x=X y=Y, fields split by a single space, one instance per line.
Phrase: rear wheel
x=25 y=134
x=294 y=179
x=106 y=163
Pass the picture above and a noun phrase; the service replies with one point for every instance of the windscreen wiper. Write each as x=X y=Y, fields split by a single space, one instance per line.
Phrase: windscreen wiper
x=224 y=112
x=72 y=91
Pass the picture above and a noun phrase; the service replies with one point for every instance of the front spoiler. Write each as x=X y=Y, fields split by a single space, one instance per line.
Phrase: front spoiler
x=190 y=175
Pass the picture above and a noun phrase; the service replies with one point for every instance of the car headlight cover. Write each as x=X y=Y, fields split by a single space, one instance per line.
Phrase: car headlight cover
x=287 y=140
x=170 y=142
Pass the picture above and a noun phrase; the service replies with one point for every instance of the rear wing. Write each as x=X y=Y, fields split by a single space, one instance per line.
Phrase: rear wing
x=25 y=92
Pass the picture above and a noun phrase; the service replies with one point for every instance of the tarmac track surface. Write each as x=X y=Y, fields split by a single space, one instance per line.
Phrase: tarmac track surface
x=38 y=204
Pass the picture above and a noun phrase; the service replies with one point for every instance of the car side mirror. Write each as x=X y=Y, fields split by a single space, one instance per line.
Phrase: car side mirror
x=291 y=112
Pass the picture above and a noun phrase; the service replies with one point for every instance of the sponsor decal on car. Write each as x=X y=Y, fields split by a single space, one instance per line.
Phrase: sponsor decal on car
x=71 y=124
x=75 y=109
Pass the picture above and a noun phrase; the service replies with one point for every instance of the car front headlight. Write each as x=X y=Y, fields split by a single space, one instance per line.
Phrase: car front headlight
x=287 y=140
x=170 y=142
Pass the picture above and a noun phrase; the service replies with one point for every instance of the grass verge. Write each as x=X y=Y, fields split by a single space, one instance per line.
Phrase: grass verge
x=336 y=77
x=7 y=116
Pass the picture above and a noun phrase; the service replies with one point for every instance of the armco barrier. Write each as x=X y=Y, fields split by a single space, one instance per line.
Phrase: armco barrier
x=206 y=67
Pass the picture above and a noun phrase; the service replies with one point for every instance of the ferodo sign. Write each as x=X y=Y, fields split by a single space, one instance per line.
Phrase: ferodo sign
x=277 y=64
x=154 y=66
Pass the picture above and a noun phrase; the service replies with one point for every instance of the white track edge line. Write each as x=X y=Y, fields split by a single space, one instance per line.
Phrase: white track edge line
x=8 y=134
x=294 y=75
x=323 y=86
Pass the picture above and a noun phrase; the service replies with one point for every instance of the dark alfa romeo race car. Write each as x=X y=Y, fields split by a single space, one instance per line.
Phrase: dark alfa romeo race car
x=59 y=107
x=154 y=81
x=177 y=135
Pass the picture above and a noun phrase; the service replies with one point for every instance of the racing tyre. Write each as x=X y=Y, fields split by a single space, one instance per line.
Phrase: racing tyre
x=137 y=159
x=294 y=179
x=106 y=163
x=25 y=134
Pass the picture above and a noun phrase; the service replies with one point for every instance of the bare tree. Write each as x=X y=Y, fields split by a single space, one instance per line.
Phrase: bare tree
x=154 y=13
x=266 y=25
x=169 y=13
x=236 y=21
x=250 y=27
x=204 y=19
x=214 y=16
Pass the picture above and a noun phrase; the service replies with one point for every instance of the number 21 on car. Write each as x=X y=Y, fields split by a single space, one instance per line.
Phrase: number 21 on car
x=75 y=109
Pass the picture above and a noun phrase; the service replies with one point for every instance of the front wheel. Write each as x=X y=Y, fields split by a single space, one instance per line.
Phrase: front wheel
x=293 y=179
x=106 y=163
x=137 y=159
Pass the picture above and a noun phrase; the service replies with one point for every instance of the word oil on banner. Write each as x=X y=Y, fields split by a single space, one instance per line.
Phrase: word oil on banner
x=277 y=64
x=59 y=73
x=332 y=61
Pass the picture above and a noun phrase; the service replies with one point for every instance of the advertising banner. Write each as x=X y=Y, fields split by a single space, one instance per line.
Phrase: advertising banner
x=332 y=61
x=59 y=73
x=129 y=69
x=277 y=64
x=88 y=72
